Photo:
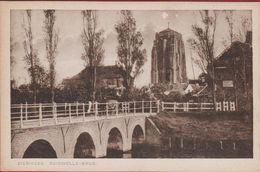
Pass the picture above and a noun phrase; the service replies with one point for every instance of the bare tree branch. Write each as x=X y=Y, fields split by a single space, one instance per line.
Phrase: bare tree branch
x=203 y=42
x=131 y=56
x=92 y=41
x=51 y=43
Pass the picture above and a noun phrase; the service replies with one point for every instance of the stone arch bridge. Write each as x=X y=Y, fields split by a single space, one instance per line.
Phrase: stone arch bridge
x=77 y=130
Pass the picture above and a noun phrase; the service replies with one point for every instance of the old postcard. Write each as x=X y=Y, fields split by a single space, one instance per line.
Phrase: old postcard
x=130 y=86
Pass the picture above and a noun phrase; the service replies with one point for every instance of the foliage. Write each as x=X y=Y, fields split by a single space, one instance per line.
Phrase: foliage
x=239 y=31
x=13 y=46
x=246 y=25
x=230 y=21
x=34 y=68
x=138 y=94
x=92 y=41
x=204 y=78
x=203 y=42
x=51 y=43
x=131 y=56
x=164 y=92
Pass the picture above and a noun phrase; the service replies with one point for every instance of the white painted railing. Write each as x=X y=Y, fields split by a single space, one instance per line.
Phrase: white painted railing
x=24 y=115
x=225 y=106
x=186 y=106
x=198 y=107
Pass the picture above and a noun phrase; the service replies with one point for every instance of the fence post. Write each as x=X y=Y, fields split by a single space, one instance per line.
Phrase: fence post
x=234 y=145
x=218 y=106
x=181 y=143
x=158 y=106
x=232 y=106
x=187 y=107
x=162 y=106
x=107 y=110
x=54 y=112
x=65 y=108
x=96 y=109
x=225 y=106
x=26 y=112
x=69 y=112
x=201 y=107
x=174 y=106
x=151 y=110
x=40 y=114
x=221 y=144
x=21 y=117
x=116 y=108
x=142 y=106
x=77 y=109
x=128 y=107
x=134 y=108
x=83 y=109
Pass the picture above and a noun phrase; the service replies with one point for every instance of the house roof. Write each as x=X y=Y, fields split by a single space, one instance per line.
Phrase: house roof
x=195 y=87
x=235 y=49
x=103 y=72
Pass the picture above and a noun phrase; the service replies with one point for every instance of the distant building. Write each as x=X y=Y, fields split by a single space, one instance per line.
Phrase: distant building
x=192 y=88
x=233 y=74
x=107 y=77
x=198 y=90
x=168 y=58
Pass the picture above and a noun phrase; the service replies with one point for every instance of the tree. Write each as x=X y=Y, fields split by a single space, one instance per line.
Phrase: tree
x=245 y=26
x=92 y=40
x=203 y=43
x=131 y=56
x=51 y=43
x=239 y=31
x=13 y=45
x=30 y=58
x=230 y=22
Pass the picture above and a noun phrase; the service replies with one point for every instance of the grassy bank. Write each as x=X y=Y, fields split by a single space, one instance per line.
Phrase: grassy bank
x=206 y=125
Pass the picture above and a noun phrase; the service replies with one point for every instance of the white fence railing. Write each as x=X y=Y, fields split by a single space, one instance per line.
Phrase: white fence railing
x=24 y=115
x=187 y=107
x=197 y=107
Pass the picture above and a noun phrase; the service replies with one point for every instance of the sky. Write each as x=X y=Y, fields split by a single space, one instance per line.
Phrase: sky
x=69 y=25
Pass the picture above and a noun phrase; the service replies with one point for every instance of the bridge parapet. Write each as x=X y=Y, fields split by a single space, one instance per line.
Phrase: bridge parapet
x=45 y=114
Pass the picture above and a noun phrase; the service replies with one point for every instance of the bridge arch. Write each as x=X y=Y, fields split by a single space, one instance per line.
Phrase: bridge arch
x=40 y=149
x=138 y=125
x=137 y=135
x=84 y=147
x=22 y=141
x=83 y=135
x=114 y=146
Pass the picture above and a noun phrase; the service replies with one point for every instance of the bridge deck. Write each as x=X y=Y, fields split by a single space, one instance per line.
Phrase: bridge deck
x=38 y=115
x=33 y=123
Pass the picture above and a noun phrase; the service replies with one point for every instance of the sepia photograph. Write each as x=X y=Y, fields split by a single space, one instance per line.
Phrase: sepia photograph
x=131 y=84
x=143 y=88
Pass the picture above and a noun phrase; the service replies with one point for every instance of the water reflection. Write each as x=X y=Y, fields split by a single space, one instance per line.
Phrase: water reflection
x=186 y=148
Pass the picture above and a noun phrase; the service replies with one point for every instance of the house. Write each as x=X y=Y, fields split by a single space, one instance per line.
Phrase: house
x=233 y=74
x=192 y=88
x=108 y=79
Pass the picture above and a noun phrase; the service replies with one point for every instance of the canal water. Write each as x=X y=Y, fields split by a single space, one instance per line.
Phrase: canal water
x=188 y=148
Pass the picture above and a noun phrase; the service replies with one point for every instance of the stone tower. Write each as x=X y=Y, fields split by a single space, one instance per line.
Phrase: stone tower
x=168 y=58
